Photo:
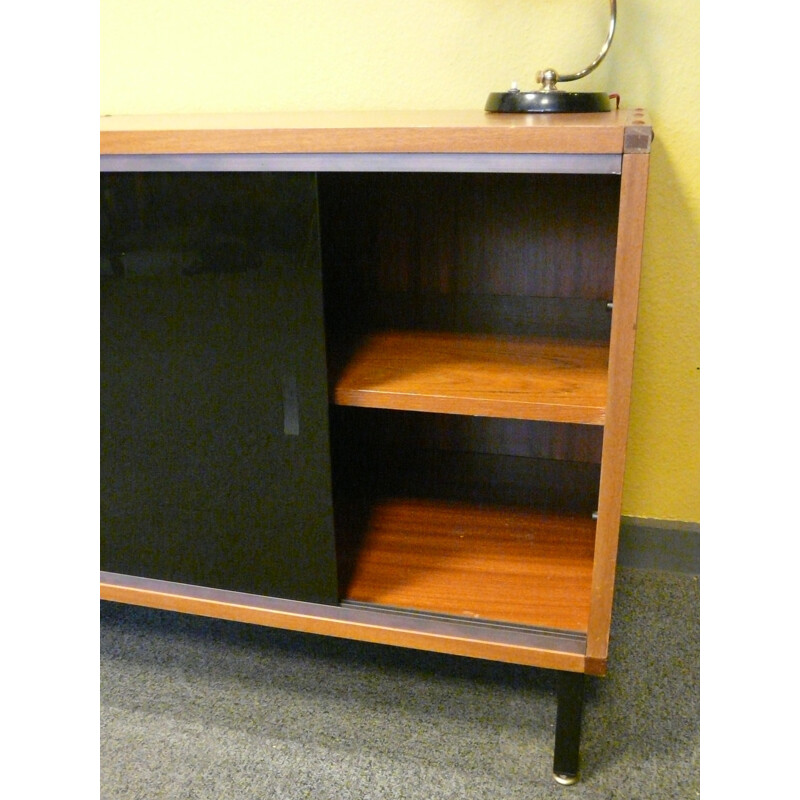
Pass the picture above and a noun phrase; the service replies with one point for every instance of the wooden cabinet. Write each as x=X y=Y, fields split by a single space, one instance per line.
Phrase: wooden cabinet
x=410 y=408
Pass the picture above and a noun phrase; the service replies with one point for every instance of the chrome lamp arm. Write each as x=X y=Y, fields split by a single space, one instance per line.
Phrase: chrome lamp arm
x=549 y=77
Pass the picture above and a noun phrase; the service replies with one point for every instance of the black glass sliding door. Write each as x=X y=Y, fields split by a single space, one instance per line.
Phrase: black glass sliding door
x=214 y=432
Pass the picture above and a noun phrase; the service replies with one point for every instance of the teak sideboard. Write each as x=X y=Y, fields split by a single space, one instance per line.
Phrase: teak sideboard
x=368 y=375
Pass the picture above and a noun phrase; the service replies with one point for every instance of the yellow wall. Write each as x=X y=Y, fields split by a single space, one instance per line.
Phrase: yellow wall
x=253 y=55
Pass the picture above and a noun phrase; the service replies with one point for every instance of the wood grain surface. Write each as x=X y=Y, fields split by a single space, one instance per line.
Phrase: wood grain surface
x=471 y=131
x=544 y=379
x=503 y=564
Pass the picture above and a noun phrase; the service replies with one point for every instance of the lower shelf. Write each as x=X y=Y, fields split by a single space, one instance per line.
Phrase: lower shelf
x=478 y=562
x=483 y=581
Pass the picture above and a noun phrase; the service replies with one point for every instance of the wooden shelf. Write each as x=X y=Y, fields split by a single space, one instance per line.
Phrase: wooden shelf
x=490 y=376
x=501 y=564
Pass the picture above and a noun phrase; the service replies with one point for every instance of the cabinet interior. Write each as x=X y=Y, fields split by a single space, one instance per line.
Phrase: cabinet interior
x=467 y=326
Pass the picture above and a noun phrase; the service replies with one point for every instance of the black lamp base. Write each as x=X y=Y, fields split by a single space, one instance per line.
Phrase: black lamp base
x=552 y=102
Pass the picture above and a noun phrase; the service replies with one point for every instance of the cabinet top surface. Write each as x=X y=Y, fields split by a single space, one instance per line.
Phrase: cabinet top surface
x=619 y=131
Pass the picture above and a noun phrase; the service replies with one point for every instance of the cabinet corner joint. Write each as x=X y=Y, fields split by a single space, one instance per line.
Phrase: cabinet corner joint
x=637 y=139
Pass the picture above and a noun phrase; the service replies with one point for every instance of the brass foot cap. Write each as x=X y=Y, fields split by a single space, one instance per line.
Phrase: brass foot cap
x=565 y=780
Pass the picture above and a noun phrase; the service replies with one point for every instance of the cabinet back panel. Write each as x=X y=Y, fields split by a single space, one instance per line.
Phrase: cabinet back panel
x=455 y=433
x=479 y=252
x=538 y=465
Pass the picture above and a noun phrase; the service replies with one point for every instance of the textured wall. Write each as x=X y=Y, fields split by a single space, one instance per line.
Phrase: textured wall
x=252 y=55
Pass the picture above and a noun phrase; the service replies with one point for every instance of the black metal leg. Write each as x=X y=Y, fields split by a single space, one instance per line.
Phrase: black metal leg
x=568 y=727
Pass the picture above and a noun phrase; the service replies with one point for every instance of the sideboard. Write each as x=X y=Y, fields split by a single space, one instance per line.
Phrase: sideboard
x=368 y=375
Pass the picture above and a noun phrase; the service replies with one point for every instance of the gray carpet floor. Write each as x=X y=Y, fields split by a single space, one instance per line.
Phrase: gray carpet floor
x=202 y=709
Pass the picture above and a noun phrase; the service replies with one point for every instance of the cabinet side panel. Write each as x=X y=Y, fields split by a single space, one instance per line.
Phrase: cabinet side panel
x=623 y=331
